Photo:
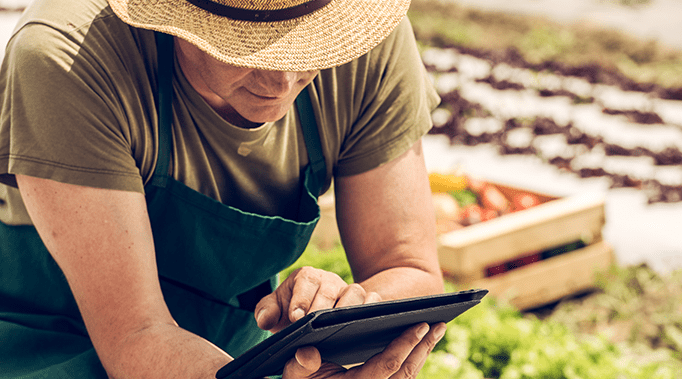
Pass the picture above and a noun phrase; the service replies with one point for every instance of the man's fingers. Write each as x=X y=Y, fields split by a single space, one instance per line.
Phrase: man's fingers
x=327 y=295
x=353 y=294
x=415 y=361
x=391 y=360
x=313 y=289
x=402 y=358
x=306 y=284
x=305 y=363
x=372 y=297
x=270 y=310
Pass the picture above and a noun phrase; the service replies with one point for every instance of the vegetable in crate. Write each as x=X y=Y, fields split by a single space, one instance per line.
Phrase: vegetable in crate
x=462 y=201
x=448 y=213
x=446 y=182
x=492 y=198
x=489 y=196
x=464 y=197
x=445 y=206
x=472 y=214
x=523 y=200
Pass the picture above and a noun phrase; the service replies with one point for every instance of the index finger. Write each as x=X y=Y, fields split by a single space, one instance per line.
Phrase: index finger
x=313 y=290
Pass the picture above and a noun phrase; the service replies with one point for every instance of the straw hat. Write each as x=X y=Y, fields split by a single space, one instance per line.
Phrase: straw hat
x=282 y=35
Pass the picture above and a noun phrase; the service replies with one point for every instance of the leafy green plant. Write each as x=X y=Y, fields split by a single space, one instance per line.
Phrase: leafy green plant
x=495 y=340
x=333 y=260
x=501 y=342
x=543 y=44
x=634 y=305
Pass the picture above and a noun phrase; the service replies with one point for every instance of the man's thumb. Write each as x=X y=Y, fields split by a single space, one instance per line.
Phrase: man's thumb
x=305 y=363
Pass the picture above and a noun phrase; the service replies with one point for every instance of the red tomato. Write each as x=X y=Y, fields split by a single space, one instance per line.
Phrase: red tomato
x=471 y=214
x=523 y=201
x=492 y=198
x=488 y=214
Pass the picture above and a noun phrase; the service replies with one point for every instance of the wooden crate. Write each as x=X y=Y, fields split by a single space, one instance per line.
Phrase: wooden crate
x=467 y=255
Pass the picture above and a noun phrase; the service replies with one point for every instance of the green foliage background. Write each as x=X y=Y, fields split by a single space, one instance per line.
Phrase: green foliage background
x=495 y=340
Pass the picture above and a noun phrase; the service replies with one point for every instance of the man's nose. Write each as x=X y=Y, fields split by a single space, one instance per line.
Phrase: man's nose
x=277 y=83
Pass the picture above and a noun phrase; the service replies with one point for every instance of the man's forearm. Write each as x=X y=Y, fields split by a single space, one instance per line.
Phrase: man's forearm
x=165 y=351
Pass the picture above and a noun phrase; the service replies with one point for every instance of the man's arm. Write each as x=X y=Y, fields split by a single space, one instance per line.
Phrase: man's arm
x=388 y=229
x=103 y=243
x=387 y=225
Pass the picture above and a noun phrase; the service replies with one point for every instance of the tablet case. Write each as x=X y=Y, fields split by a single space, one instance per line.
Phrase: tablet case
x=348 y=335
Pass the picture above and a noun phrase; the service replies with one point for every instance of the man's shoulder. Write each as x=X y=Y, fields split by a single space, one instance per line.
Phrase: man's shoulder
x=67 y=33
x=65 y=16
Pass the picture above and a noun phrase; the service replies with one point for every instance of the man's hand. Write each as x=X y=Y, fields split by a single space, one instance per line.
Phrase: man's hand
x=306 y=290
x=402 y=358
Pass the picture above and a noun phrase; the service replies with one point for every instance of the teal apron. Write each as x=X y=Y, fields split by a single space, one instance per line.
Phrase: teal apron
x=215 y=262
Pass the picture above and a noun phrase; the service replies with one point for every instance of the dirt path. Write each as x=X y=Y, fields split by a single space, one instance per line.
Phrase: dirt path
x=660 y=20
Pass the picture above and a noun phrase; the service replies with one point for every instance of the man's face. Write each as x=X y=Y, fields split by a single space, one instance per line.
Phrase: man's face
x=245 y=97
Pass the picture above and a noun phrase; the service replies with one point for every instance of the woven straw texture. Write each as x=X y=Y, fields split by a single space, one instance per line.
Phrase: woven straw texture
x=331 y=36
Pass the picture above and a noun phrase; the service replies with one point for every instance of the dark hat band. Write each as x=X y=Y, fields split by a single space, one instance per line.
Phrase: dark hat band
x=260 y=15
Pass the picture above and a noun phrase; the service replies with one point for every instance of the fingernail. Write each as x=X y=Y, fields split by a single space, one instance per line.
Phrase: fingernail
x=298 y=359
x=297 y=314
x=259 y=316
x=421 y=332
x=440 y=331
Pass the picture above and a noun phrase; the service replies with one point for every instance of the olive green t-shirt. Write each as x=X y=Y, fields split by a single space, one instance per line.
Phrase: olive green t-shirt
x=79 y=106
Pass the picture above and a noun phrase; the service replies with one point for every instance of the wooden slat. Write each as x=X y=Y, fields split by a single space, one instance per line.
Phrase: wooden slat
x=552 y=279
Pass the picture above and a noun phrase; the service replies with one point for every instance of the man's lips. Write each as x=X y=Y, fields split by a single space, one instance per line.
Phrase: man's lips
x=267 y=98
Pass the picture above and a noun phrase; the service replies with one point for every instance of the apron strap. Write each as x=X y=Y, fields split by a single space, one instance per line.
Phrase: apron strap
x=165 y=60
x=311 y=136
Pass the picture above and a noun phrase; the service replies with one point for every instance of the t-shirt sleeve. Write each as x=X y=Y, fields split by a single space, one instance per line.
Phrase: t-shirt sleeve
x=62 y=113
x=392 y=105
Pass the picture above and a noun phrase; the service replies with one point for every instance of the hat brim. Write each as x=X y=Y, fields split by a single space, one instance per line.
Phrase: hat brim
x=331 y=36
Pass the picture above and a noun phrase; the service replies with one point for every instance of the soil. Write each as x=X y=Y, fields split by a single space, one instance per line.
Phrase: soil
x=463 y=109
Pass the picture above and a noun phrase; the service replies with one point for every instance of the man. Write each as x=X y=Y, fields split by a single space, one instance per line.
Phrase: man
x=170 y=153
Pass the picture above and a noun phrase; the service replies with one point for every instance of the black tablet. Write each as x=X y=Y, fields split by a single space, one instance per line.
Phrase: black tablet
x=348 y=335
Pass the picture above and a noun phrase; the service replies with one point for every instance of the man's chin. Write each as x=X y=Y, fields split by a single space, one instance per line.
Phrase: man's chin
x=252 y=119
x=261 y=117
